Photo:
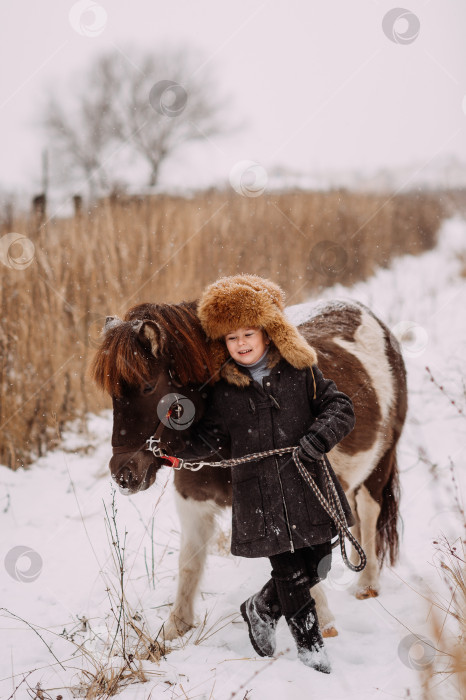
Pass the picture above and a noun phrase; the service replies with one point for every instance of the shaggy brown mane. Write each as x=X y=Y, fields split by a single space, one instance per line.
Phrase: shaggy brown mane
x=125 y=359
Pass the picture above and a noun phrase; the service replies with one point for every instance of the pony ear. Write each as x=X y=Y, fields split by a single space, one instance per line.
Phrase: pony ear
x=111 y=322
x=154 y=334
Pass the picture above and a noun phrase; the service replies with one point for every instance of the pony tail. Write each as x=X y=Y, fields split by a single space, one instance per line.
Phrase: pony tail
x=387 y=541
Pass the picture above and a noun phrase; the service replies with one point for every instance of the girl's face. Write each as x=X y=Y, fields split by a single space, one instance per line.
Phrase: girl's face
x=246 y=345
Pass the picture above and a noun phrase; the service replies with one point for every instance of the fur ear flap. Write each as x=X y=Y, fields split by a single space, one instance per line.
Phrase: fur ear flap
x=152 y=332
x=289 y=341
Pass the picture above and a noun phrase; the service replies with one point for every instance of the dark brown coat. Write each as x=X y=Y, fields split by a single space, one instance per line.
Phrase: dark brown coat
x=274 y=510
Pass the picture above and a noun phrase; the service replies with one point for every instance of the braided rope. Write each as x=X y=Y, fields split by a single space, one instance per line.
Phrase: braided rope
x=334 y=509
x=233 y=462
x=331 y=504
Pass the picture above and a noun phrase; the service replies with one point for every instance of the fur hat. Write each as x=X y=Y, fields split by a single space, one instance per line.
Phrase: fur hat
x=243 y=301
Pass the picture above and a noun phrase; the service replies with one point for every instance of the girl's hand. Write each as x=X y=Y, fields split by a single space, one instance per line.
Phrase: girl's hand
x=310 y=449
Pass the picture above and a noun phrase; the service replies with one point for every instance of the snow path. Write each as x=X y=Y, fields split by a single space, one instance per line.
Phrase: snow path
x=56 y=510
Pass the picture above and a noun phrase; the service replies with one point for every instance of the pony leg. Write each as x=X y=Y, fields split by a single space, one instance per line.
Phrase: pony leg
x=197 y=529
x=356 y=529
x=324 y=614
x=368 y=511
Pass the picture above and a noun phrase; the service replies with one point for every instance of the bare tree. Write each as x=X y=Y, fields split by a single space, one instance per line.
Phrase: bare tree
x=81 y=134
x=166 y=103
x=145 y=104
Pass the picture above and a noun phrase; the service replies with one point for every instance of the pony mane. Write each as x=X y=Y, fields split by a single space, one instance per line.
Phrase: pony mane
x=124 y=358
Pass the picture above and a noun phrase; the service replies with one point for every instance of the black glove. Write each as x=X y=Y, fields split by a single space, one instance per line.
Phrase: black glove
x=312 y=449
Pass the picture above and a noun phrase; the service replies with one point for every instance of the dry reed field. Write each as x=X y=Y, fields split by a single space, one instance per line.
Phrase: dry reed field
x=166 y=249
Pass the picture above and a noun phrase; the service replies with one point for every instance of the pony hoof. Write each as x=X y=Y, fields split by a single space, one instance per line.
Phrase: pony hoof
x=174 y=629
x=330 y=631
x=367 y=592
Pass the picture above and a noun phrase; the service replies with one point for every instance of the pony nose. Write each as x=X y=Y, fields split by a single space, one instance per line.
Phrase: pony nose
x=134 y=474
x=125 y=481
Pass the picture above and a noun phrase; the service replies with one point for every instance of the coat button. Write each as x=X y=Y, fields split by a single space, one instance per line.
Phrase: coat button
x=267 y=383
x=294 y=527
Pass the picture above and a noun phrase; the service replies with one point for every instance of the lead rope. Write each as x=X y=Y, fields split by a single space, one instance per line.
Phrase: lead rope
x=334 y=509
x=331 y=505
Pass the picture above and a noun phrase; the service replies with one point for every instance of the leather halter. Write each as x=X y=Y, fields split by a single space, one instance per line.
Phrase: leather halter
x=124 y=450
x=121 y=450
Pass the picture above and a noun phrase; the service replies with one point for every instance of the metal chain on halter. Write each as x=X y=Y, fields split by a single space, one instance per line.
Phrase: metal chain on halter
x=154 y=446
x=332 y=505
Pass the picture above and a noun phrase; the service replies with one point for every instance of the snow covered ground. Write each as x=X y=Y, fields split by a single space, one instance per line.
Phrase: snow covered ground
x=59 y=577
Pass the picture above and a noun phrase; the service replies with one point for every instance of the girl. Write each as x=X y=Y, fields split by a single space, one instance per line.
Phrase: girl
x=271 y=394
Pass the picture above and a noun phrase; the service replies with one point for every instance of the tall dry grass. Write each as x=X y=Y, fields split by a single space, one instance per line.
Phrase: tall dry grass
x=448 y=624
x=164 y=248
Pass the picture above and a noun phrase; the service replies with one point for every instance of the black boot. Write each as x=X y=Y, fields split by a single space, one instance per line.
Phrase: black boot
x=305 y=630
x=261 y=612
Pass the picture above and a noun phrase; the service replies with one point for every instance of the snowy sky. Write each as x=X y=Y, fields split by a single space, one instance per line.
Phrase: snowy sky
x=319 y=85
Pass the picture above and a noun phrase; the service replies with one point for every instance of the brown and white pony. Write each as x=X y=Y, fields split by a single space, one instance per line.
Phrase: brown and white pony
x=158 y=350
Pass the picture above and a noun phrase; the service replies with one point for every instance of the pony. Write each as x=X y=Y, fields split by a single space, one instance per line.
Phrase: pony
x=159 y=351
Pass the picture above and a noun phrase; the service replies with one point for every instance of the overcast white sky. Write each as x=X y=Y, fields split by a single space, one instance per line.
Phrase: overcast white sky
x=319 y=84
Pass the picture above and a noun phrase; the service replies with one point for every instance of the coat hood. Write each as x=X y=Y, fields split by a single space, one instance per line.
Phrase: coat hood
x=242 y=301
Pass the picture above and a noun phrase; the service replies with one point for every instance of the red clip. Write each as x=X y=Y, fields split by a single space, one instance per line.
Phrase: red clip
x=174 y=461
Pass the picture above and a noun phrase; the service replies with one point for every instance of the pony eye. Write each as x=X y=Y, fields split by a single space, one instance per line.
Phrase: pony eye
x=148 y=389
